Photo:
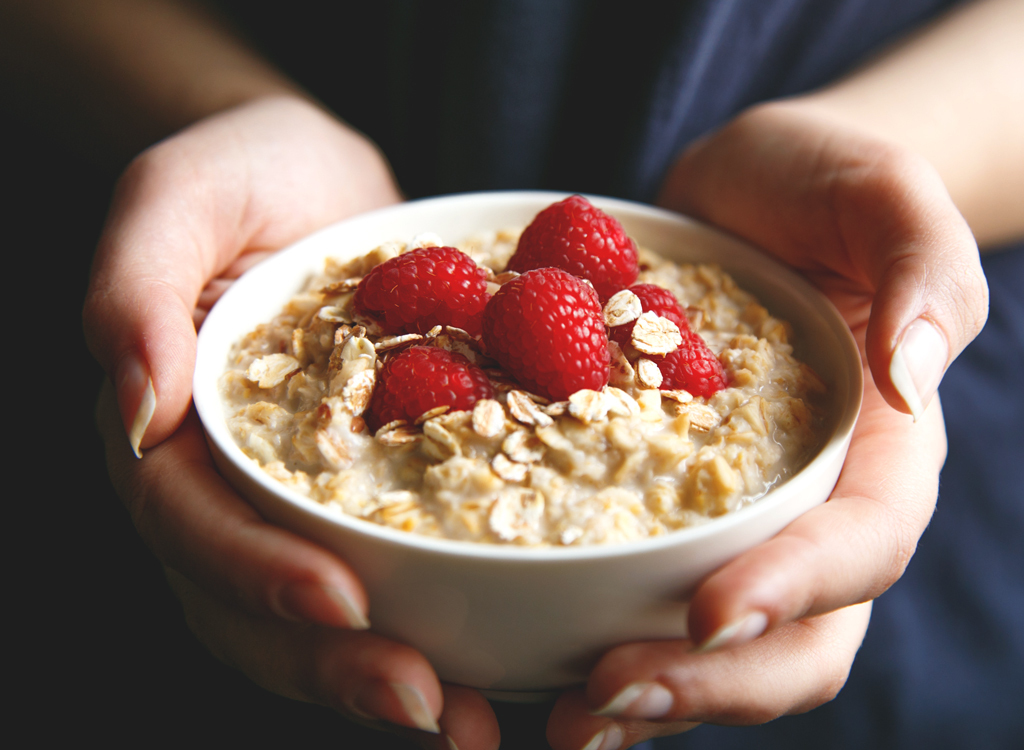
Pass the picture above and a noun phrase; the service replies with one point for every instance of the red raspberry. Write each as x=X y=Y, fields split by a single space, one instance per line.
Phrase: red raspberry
x=692 y=367
x=545 y=327
x=422 y=378
x=583 y=240
x=423 y=288
x=652 y=299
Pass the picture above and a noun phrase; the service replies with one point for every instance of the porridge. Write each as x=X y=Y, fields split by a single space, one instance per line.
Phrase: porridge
x=513 y=457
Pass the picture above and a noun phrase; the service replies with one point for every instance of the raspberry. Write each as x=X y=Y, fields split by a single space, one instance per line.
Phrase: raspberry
x=692 y=367
x=545 y=327
x=422 y=378
x=652 y=299
x=423 y=288
x=583 y=240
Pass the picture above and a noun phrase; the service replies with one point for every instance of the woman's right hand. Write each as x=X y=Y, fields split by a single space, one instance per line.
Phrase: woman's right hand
x=188 y=216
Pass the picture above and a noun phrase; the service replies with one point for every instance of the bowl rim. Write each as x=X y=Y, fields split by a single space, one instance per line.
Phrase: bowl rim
x=210 y=410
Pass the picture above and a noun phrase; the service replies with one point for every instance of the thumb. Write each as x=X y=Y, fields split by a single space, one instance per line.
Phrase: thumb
x=252 y=179
x=870 y=222
x=162 y=242
x=931 y=297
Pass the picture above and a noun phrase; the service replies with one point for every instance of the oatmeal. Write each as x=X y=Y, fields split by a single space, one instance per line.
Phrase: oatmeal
x=631 y=459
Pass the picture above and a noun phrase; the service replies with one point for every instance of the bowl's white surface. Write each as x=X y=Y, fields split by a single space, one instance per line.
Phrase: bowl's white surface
x=511 y=618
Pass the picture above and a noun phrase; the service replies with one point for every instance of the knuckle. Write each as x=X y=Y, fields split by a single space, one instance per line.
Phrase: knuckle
x=971 y=295
x=832 y=683
x=899 y=544
x=832 y=664
x=825 y=693
x=692 y=698
x=753 y=715
x=146 y=167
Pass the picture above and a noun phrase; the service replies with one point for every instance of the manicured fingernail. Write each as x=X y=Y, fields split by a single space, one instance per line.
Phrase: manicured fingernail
x=917 y=365
x=609 y=738
x=736 y=633
x=356 y=619
x=312 y=602
x=135 y=398
x=451 y=743
x=641 y=700
x=416 y=707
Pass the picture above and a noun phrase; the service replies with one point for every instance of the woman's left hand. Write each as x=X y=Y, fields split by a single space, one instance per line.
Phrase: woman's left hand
x=776 y=630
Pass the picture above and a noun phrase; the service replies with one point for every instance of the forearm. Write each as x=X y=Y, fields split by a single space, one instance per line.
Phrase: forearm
x=953 y=93
x=116 y=75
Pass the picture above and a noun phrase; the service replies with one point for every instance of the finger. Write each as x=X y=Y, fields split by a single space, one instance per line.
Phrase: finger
x=649 y=689
x=573 y=726
x=895 y=219
x=372 y=680
x=849 y=550
x=172 y=226
x=467 y=722
x=360 y=674
x=197 y=525
x=931 y=297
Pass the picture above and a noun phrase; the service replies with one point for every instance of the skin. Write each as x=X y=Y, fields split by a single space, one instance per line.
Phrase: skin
x=854 y=185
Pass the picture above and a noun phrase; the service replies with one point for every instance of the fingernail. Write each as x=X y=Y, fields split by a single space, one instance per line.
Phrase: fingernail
x=312 y=602
x=641 y=700
x=609 y=738
x=451 y=743
x=917 y=365
x=736 y=633
x=135 y=398
x=356 y=619
x=416 y=707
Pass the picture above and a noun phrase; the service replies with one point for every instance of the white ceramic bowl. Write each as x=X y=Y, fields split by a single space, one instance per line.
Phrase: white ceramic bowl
x=509 y=619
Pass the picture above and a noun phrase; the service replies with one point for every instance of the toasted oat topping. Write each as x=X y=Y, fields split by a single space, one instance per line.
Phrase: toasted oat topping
x=622 y=375
x=271 y=370
x=393 y=342
x=488 y=418
x=333 y=314
x=341 y=287
x=619 y=402
x=508 y=470
x=440 y=435
x=623 y=307
x=682 y=397
x=556 y=408
x=648 y=373
x=654 y=334
x=702 y=417
x=588 y=406
x=523 y=447
x=356 y=394
x=431 y=414
x=525 y=409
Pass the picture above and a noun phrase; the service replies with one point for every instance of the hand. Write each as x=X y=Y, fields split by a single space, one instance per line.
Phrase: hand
x=187 y=217
x=873 y=227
